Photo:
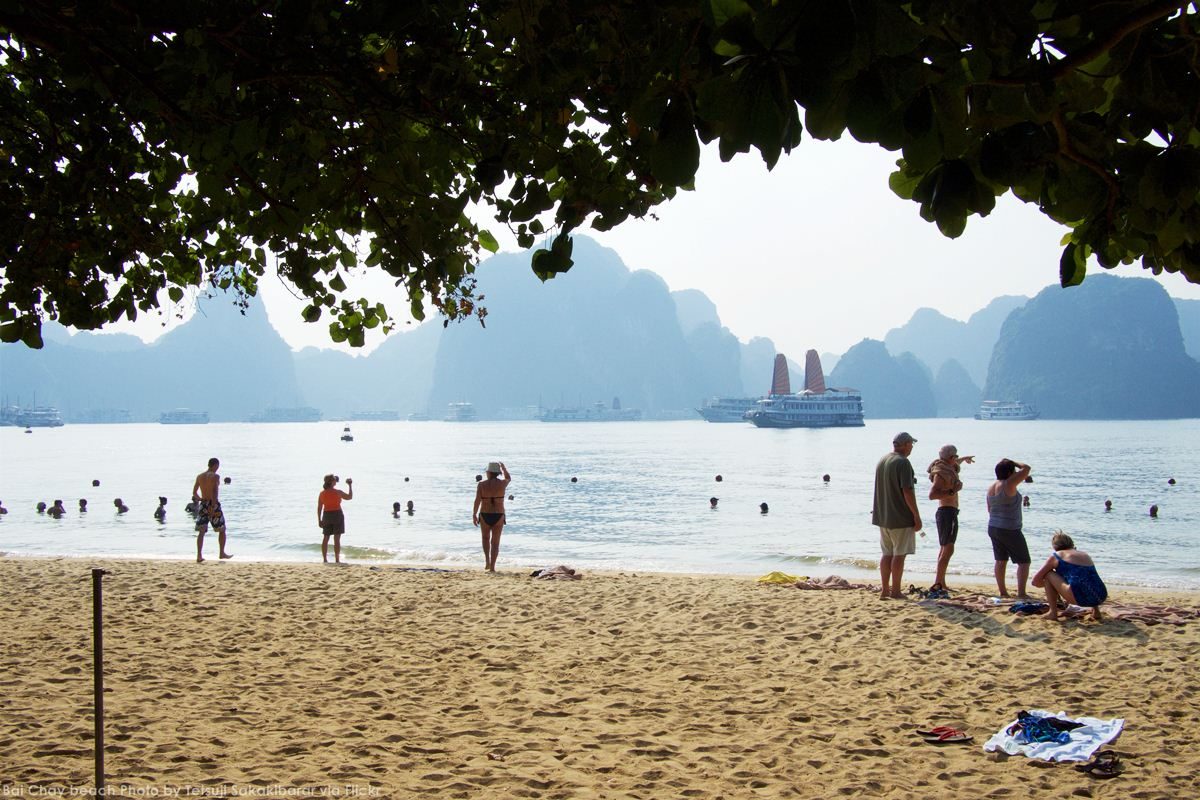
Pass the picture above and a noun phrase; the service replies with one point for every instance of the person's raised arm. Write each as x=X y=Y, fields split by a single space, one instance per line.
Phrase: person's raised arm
x=350 y=496
x=504 y=470
x=1016 y=479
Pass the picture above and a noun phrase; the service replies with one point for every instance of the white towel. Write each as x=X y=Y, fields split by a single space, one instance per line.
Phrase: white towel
x=1084 y=741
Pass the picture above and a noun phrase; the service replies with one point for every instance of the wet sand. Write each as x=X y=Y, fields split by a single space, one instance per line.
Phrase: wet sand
x=304 y=680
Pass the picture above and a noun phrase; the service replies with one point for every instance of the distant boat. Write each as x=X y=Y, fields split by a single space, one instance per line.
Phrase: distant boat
x=418 y=416
x=31 y=417
x=597 y=412
x=346 y=435
x=815 y=407
x=375 y=416
x=461 y=412
x=303 y=414
x=182 y=416
x=727 y=409
x=1007 y=410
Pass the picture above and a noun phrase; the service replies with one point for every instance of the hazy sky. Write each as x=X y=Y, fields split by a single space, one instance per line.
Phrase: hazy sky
x=817 y=253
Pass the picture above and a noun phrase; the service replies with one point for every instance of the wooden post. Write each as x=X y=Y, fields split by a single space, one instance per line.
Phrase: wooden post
x=98 y=671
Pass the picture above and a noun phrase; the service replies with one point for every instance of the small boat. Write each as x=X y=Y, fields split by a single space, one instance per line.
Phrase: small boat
x=597 y=412
x=419 y=416
x=183 y=416
x=727 y=409
x=461 y=412
x=346 y=435
x=1007 y=410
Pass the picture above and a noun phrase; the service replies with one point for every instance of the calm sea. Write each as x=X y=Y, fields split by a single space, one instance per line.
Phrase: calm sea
x=641 y=501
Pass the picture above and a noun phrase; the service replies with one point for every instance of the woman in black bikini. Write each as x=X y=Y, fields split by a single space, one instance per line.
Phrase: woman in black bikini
x=488 y=513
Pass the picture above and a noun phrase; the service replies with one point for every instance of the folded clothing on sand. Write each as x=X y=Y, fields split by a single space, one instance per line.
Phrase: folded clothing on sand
x=1079 y=745
x=560 y=573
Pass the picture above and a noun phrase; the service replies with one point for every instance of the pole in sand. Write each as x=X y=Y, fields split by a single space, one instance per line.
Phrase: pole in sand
x=98 y=671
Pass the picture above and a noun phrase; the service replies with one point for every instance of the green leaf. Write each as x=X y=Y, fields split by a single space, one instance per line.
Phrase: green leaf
x=675 y=157
x=1072 y=266
x=488 y=242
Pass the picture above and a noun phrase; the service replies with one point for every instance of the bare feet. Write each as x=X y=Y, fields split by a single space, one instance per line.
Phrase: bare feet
x=897 y=596
x=885 y=596
x=226 y=555
x=199 y=560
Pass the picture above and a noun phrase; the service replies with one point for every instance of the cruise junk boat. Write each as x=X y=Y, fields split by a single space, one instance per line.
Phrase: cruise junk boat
x=815 y=407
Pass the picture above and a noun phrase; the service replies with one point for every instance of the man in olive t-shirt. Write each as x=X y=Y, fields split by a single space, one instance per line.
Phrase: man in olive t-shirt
x=896 y=513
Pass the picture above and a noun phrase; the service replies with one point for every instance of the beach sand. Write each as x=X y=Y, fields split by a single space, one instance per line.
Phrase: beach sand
x=304 y=680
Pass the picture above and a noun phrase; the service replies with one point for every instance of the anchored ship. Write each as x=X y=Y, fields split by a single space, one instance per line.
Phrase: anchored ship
x=182 y=416
x=596 y=412
x=816 y=407
x=1007 y=410
x=31 y=417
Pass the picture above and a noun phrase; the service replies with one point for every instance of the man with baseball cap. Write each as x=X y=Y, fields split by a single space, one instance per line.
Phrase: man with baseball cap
x=895 y=512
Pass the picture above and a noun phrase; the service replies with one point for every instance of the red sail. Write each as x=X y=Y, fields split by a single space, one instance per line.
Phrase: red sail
x=814 y=378
x=781 y=382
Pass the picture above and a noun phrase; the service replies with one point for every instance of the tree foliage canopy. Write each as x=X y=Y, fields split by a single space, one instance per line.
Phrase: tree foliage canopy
x=147 y=148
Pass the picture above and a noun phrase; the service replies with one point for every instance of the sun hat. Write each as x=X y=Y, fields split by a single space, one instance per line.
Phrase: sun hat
x=903 y=438
x=493 y=466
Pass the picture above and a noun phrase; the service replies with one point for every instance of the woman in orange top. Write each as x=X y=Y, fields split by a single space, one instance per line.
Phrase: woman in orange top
x=330 y=519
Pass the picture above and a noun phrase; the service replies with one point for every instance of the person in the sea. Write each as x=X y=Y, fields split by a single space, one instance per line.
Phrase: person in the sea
x=408 y=508
x=160 y=513
x=82 y=506
x=895 y=512
x=119 y=504
x=946 y=487
x=41 y=507
x=396 y=510
x=1070 y=575
x=3 y=510
x=56 y=510
x=330 y=518
x=1004 y=524
x=712 y=503
x=207 y=499
x=488 y=511
x=763 y=508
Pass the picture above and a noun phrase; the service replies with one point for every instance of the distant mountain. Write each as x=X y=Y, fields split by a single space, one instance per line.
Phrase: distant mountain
x=397 y=376
x=956 y=394
x=1109 y=348
x=1189 y=325
x=892 y=387
x=693 y=309
x=221 y=361
x=598 y=333
x=934 y=338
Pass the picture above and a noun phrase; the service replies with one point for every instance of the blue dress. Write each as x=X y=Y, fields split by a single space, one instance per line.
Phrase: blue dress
x=1085 y=582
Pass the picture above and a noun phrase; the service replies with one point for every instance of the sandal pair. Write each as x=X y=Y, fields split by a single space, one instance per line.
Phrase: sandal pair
x=943 y=734
x=1105 y=765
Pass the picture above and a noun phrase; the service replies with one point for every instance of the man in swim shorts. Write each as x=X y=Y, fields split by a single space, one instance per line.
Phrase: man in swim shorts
x=206 y=498
x=488 y=512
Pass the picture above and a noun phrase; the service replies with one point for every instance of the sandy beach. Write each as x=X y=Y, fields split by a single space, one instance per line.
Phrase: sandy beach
x=304 y=680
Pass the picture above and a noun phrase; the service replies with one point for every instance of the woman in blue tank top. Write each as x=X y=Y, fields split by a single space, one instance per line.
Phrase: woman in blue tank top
x=1004 y=524
x=1071 y=575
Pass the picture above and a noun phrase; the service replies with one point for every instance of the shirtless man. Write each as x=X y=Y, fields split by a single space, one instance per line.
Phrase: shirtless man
x=944 y=473
x=205 y=497
x=489 y=496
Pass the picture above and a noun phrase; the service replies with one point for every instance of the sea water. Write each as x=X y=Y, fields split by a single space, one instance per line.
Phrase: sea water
x=640 y=501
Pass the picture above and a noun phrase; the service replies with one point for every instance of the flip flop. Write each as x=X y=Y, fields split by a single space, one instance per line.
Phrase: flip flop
x=1105 y=765
x=938 y=731
x=950 y=736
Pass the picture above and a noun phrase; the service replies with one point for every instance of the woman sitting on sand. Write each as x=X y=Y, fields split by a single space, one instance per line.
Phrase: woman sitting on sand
x=1070 y=574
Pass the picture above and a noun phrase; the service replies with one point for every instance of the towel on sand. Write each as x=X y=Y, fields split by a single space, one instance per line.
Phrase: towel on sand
x=559 y=573
x=1084 y=740
x=947 y=470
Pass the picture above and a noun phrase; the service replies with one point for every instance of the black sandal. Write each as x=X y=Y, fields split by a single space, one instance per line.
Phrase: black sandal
x=1105 y=765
